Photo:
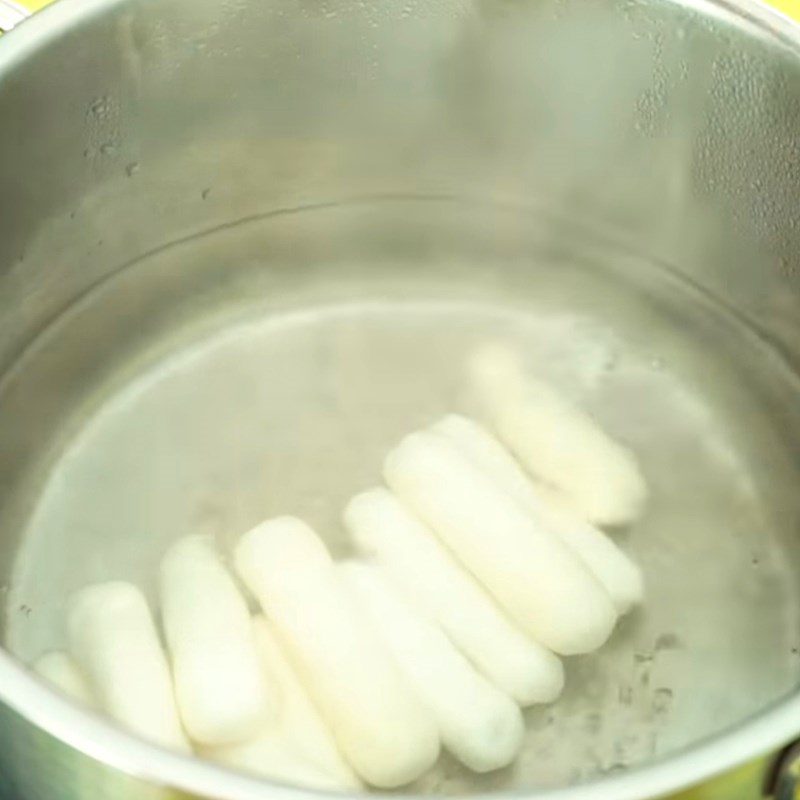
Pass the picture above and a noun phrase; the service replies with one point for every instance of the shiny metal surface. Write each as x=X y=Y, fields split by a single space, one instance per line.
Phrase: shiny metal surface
x=255 y=249
x=11 y=14
x=784 y=784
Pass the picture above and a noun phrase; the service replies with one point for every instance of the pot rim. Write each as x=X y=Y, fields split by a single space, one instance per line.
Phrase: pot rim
x=100 y=739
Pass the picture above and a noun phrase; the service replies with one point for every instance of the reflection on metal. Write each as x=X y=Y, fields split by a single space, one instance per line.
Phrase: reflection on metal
x=11 y=14
x=784 y=782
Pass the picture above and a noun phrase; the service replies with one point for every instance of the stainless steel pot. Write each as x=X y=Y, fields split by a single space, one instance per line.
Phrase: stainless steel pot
x=243 y=246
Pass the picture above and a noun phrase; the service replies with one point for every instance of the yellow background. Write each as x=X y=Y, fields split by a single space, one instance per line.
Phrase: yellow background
x=34 y=5
x=789 y=7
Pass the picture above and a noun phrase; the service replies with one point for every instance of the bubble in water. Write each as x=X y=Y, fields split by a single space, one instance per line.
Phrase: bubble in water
x=611 y=362
x=99 y=108
x=108 y=149
x=132 y=169
x=205 y=193
x=662 y=700
x=667 y=641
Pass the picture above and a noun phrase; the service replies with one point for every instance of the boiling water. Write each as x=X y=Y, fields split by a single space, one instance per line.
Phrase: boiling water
x=266 y=368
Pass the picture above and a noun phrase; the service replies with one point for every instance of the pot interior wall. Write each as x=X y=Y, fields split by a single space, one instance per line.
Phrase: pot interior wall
x=264 y=238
